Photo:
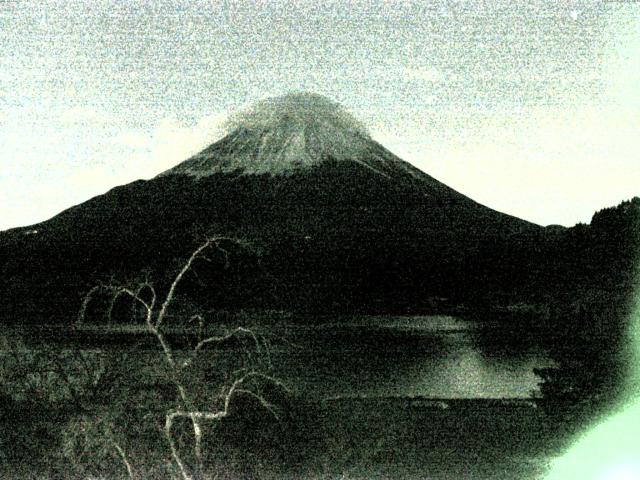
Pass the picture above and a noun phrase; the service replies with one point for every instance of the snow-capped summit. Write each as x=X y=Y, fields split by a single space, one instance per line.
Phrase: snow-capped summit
x=282 y=134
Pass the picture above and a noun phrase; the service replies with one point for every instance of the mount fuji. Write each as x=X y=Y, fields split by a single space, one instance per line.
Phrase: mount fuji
x=334 y=222
x=286 y=134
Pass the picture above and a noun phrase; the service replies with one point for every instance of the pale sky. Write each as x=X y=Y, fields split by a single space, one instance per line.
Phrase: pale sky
x=531 y=108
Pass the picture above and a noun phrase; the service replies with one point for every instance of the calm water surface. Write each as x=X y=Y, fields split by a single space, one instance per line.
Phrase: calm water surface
x=443 y=357
x=428 y=356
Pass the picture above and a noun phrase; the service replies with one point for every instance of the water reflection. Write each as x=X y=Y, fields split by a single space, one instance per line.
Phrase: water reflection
x=441 y=357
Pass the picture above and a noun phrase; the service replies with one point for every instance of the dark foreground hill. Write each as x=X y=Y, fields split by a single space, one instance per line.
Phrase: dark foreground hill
x=334 y=236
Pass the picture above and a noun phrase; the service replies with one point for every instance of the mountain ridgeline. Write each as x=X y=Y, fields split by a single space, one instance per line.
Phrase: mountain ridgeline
x=327 y=220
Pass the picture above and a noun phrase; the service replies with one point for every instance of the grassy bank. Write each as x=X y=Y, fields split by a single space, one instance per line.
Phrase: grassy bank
x=350 y=438
x=65 y=408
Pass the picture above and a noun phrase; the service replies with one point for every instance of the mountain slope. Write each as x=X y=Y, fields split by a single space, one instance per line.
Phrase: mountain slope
x=336 y=222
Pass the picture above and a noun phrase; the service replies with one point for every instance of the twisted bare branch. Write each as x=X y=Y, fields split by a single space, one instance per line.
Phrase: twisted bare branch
x=116 y=291
x=187 y=266
x=123 y=457
x=196 y=416
x=155 y=320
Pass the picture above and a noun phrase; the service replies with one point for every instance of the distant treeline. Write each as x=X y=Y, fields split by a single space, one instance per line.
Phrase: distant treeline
x=591 y=313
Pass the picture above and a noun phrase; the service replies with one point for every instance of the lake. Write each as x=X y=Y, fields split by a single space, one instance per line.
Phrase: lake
x=434 y=356
x=373 y=363
x=378 y=356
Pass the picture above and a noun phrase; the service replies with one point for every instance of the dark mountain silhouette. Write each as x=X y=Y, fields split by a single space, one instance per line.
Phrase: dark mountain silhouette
x=334 y=222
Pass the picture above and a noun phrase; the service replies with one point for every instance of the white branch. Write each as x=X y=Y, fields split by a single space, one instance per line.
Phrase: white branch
x=265 y=404
x=124 y=458
x=174 y=450
x=147 y=285
x=85 y=303
x=154 y=320
x=116 y=291
x=228 y=336
x=187 y=266
x=177 y=279
x=196 y=416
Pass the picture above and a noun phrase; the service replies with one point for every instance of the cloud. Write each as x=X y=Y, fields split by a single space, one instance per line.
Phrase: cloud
x=428 y=74
x=133 y=139
x=171 y=141
x=137 y=154
x=83 y=114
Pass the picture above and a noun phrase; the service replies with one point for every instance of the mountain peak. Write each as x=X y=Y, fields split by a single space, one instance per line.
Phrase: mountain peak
x=280 y=134
x=296 y=111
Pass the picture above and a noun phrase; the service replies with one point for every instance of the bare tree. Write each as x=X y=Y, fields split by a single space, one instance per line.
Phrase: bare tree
x=155 y=311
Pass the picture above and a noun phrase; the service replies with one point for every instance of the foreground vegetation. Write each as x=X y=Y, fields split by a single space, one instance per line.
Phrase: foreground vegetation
x=75 y=410
x=205 y=405
x=113 y=426
x=87 y=403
